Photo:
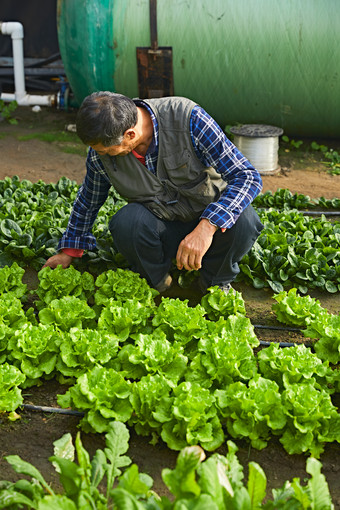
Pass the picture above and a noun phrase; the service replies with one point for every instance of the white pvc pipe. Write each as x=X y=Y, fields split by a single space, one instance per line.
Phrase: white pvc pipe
x=16 y=31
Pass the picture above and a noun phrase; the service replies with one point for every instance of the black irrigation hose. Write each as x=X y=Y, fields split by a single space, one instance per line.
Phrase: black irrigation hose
x=280 y=344
x=307 y=212
x=279 y=328
x=58 y=410
x=319 y=213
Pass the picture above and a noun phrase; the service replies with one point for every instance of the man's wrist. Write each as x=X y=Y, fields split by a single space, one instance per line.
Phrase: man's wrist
x=208 y=225
x=73 y=252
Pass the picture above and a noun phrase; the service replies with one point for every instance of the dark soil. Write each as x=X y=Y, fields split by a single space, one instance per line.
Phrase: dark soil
x=33 y=434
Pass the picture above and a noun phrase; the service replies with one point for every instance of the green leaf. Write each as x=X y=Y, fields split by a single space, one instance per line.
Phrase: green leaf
x=117 y=441
x=124 y=500
x=8 y=226
x=258 y=283
x=136 y=483
x=214 y=479
x=57 y=502
x=25 y=468
x=181 y=481
x=275 y=286
x=331 y=287
x=64 y=448
x=318 y=487
x=98 y=466
x=9 y=498
x=69 y=474
x=257 y=482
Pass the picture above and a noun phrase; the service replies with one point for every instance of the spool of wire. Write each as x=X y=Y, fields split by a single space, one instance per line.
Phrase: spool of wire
x=259 y=143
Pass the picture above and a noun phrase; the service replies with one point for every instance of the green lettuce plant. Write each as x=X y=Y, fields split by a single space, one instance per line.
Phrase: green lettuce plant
x=179 y=321
x=124 y=318
x=193 y=419
x=103 y=394
x=155 y=355
x=68 y=312
x=34 y=349
x=292 y=308
x=11 y=311
x=218 y=304
x=11 y=378
x=123 y=284
x=11 y=281
x=82 y=349
x=225 y=353
x=295 y=364
x=149 y=395
x=57 y=283
x=252 y=411
x=312 y=419
x=326 y=329
x=5 y=334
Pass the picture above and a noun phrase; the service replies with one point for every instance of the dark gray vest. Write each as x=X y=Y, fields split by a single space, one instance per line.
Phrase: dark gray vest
x=182 y=186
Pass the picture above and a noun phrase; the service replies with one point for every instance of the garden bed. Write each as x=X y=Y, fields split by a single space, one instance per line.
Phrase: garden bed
x=32 y=436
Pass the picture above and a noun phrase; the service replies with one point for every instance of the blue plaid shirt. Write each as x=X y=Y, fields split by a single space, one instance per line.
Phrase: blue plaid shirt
x=212 y=148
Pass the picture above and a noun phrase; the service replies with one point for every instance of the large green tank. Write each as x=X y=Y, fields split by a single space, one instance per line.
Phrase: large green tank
x=265 y=61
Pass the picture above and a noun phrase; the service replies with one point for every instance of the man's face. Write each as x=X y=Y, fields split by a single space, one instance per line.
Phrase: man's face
x=122 y=149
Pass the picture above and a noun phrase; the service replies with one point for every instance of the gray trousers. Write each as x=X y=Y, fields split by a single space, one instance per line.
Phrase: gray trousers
x=150 y=244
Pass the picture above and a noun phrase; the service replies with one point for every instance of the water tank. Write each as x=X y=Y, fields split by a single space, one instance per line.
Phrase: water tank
x=268 y=62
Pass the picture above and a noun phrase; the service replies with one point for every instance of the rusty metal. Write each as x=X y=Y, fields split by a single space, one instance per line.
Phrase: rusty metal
x=153 y=24
x=154 y=64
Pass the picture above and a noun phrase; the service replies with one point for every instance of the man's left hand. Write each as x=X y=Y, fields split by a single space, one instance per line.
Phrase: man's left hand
x=195 y=245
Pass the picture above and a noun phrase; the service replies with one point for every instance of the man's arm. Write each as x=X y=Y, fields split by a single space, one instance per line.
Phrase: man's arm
x=214 y=149
x=91 y=196
x=195 y=245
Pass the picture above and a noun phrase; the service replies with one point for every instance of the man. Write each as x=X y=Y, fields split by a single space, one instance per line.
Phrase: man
x=188 y=189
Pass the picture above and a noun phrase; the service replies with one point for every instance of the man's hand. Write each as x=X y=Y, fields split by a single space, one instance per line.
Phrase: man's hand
x=60 y=259
x=195 y=245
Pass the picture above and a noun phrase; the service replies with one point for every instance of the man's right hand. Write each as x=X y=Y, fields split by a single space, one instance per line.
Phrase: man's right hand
x=60 y=259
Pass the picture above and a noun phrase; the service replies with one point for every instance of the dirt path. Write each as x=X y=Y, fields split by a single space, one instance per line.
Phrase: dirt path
x=35 y=159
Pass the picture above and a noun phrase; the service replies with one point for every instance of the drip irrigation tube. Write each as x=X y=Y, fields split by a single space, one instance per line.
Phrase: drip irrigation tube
x=45 y=409
x=279 y=328
x=319 y=213
x=307 y=212
x=280 y=344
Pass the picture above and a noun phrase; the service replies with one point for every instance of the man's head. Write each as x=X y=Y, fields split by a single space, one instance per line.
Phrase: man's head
x=104 y=117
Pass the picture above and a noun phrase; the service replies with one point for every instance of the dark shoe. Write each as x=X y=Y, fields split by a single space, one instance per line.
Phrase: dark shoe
x=164 y=284
x=225 y=287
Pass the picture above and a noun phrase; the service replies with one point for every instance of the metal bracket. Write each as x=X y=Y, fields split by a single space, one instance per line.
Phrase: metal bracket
x=154 y=64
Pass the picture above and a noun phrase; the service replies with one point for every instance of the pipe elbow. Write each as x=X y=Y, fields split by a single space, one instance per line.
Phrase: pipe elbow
x=13 y=28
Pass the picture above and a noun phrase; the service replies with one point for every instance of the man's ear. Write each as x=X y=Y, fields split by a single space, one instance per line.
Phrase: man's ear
x=130 y=134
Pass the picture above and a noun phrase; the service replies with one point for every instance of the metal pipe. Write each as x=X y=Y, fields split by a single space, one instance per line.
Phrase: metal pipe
x=16 y=31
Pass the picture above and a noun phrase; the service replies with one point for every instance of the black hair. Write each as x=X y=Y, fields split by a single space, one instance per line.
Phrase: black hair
x=103 y=117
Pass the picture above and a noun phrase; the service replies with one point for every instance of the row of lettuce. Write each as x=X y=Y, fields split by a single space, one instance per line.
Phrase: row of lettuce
x=293 y=250
x=188 y=375
x=196 y=482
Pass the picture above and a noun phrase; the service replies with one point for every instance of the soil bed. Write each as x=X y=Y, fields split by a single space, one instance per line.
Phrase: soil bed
x=32 y=436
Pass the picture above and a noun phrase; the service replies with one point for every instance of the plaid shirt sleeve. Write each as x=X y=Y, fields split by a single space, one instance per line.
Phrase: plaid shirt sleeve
x=214 y=149
x=91 y=196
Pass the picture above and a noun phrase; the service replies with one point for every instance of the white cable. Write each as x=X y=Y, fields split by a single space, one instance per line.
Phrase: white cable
x=262 y=152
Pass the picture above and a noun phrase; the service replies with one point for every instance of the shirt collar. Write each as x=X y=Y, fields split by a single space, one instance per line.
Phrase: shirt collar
x=154 y=142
